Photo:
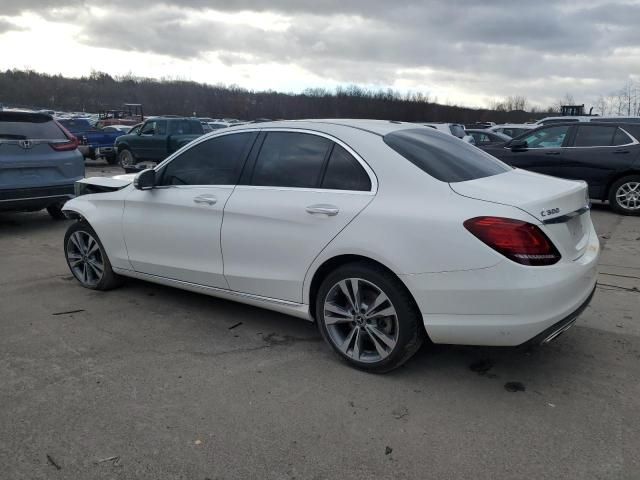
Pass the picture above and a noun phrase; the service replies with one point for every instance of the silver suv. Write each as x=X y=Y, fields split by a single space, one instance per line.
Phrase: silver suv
x=39 y=163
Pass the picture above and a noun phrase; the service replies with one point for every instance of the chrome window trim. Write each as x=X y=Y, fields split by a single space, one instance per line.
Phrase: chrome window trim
x=215 y=134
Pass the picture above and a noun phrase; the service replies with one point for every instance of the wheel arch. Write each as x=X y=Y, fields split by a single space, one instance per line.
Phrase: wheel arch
x=617 y=176
x=330 y=264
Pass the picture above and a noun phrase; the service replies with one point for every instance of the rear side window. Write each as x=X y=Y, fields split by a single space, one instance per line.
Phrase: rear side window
x=289 y=159
x=444 y=158
x=457 y=131
x=185 y=127
x=594 y=136
x=217 y=161
x=29 y=127
x=621 y=138
x=344 y=172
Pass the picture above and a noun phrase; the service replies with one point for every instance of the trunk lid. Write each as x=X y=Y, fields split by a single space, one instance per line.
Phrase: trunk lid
x=561 y=206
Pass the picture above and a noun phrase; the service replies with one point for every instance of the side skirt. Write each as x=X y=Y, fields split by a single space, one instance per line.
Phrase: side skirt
x=299 y=310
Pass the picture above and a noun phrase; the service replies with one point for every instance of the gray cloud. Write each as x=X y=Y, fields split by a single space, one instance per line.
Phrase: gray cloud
x=6 y=26
x=540 y=49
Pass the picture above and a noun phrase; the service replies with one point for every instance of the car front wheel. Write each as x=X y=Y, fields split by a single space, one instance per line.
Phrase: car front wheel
x=368 y=317
x=87 y=258
x=126 y=159
x=624 y=195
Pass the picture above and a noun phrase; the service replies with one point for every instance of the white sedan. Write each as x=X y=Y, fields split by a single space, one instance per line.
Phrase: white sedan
x=383 y=233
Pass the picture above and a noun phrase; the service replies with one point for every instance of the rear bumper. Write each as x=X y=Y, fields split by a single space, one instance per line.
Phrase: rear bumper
x=35 y=198
x=507 y=304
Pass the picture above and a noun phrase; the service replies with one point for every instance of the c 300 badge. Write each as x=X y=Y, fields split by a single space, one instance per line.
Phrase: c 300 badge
x=548 y=213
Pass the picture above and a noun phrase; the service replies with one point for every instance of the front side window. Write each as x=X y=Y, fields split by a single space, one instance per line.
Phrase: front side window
x=344 y=172
x=217 y=161
x=552 y=137
x=148 y=128
x=161 y=127
x=289 y=159
x=444 y=157
x=594 y=136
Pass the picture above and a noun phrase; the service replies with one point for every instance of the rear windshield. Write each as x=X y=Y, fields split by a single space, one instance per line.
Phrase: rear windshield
x=32 y=127
x=76 y=126
x=443 y=157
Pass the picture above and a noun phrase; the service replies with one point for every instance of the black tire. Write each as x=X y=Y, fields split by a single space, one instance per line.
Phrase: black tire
x=408 y=330
x=621 y=204
x=55 y=211
x=126 y=159
x=108 y=279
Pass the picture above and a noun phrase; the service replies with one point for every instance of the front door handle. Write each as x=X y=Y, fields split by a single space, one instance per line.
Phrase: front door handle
x=323 y=209
x=206 y=199
x=552 y=153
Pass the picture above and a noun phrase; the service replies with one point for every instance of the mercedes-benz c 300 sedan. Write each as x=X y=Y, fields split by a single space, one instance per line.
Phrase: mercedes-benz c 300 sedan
x=383 y=233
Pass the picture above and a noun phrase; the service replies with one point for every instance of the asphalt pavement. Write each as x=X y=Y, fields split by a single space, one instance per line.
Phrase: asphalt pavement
x=149 y=382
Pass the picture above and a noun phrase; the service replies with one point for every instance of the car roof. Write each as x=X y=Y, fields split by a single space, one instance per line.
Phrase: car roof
x=378 y=127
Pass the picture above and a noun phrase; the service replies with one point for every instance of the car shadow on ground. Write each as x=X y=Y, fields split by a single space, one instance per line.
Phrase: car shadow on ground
x=21 y=223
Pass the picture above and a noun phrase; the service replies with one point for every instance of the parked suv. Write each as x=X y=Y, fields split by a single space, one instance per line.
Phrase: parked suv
x=155 y=140
x=39 y=163
x=604 y=154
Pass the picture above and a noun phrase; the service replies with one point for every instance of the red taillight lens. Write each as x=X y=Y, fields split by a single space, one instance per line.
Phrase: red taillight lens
x=519 y=241
x=63 y=146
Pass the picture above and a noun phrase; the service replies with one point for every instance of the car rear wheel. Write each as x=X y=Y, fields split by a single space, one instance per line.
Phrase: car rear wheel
x=624 y=195
x=87 y=258
x=368 y=317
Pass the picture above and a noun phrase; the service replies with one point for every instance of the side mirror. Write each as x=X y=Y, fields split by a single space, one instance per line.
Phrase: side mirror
x=139 y=132
x=519 y=145
x=145 y=180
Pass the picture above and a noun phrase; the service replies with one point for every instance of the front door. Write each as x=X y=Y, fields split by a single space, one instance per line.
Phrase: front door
x=544 y=152
x=173 y=230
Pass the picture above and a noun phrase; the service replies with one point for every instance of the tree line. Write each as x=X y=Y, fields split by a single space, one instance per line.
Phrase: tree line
x=101 y=91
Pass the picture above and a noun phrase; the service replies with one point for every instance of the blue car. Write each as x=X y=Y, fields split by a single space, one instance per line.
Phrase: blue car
x=39 y=163
x=94 y=142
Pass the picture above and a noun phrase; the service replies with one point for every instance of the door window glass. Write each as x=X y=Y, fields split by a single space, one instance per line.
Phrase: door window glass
x=344 y=172
x=594 y=136
x=217 y=161
x=149 y=128
x=551 y=137
x=289 y=159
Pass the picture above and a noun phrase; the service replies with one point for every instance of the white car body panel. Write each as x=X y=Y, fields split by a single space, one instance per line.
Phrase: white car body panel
x=270 y=248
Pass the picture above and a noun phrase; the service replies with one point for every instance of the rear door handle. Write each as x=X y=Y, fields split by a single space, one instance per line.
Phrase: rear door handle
x=621 y=151
x=206 y=199
x=552 y=153
x=323 y=209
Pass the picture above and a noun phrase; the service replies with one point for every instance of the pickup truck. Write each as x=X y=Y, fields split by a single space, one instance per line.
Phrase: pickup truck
x=94 y=142
x=155 y=140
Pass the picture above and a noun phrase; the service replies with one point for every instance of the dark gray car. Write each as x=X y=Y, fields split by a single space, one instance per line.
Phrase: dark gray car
x=39 y=163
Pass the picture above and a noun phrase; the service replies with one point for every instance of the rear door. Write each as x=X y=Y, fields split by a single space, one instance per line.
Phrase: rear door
x=299 y=190
x=596 y=153
x=173 y=230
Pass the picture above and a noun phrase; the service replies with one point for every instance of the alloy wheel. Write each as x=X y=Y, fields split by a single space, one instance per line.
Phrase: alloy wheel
x=126 y=159
x=85 y=258
x=628 y=195
x=361 y=320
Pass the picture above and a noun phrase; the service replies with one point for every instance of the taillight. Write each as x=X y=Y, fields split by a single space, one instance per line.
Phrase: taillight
x=64 y=145
x=519 y=241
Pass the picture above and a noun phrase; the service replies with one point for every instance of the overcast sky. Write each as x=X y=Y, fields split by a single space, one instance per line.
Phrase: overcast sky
x=465 y=52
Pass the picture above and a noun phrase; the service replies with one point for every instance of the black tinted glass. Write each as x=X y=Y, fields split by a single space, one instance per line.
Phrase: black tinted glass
x=217 y=161
x=621 y=138
x=344 y=172
x=593 y=136
x=443 y=157
x=185 y=127
x=76 y=126
x=290 y=159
